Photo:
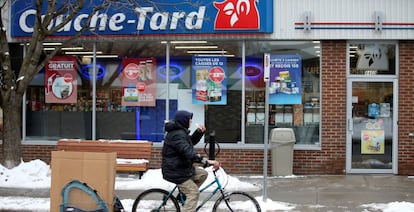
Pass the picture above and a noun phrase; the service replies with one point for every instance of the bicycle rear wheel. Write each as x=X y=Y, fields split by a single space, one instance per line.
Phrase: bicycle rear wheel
x=155 y=200
x=236 y=201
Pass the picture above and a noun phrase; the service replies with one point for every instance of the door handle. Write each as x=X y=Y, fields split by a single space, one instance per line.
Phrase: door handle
x=350 y=125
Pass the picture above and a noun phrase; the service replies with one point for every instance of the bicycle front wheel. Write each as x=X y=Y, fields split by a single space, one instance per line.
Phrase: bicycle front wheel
x=157 y=200
x=236 y=201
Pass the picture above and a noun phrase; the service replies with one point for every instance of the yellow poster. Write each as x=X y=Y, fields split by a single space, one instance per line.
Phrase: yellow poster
x=372 y=141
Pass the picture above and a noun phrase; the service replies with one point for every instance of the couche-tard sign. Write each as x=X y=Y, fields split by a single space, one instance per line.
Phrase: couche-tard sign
x=158 y=17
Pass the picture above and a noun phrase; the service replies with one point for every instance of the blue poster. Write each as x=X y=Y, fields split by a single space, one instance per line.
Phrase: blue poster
x=285 y=79
x=209 y=80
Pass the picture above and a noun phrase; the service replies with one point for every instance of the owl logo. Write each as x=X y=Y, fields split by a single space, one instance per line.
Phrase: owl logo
x=237 y=14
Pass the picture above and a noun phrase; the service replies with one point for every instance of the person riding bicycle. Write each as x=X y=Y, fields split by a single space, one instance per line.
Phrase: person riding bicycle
x=178 y=156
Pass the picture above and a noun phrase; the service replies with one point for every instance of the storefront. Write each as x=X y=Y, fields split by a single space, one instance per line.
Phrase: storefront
x=335 y=78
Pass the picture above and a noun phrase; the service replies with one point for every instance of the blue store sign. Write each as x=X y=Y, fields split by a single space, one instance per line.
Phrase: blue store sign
x=157 y=17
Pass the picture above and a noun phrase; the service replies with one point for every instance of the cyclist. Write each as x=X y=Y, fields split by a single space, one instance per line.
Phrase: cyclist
x=178 y=156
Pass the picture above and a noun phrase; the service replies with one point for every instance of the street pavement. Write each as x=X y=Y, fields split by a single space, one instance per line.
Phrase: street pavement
x=307 y=193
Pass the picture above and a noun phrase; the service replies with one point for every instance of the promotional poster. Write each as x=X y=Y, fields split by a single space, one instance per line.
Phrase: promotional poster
x=209 y=80
x=373 y=137
x=138 y=82
x=285 y=79
x=61 y=80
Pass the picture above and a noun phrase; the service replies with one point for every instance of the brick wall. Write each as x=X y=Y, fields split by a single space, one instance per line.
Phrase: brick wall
x=42 y=152
x=234 y=161
x=406 y=109
x=331 y=159
x=246 y=161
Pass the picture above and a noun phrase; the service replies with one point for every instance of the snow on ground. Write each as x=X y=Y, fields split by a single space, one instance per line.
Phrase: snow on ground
x=37 y=174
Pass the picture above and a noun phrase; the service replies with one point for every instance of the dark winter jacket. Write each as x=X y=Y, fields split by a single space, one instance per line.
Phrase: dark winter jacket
x=178 y=152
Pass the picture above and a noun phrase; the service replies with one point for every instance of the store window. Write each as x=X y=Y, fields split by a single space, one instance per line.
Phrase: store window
x=372 y=58
x=48 y=119
x=215 y=100
x=123 y=111
x=294 y=92
x=62 y=108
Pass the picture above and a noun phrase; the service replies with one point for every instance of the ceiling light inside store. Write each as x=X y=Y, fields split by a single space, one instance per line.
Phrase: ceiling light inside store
x=208 y=52
x=196 y=47
x=64 y=48
x=52 y=44
x=215 y=55
x=101 y=56
x=72 y=48
x=185 y=41
x=83 y=53
x=188 y=41
x=44 y=44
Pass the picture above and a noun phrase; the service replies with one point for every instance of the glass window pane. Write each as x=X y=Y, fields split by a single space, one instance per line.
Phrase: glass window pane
x=49 y=115
x=123 y=110
x=304 y=117
x=372 y=131
x=372 y=58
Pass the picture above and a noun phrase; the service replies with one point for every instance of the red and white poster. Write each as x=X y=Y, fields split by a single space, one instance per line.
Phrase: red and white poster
x=61 y=80
x=138 y=82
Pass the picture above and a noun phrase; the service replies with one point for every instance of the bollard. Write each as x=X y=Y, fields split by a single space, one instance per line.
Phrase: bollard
x=212 y=145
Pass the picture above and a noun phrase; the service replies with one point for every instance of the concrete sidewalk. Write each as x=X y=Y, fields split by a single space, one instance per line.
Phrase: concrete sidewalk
x=330 y=192
x=306 y=193
x=340 y=193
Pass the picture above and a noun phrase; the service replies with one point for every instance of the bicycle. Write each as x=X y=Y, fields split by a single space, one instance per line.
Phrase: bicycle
x=158 y=200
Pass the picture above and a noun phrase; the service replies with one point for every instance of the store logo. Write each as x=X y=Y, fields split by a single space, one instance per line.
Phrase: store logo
x=237 y=14
x=373 y=57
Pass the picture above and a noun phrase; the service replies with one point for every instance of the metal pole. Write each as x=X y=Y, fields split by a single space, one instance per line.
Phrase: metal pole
x=266 y=64
x=266 y=140
x=243 y=114
x=167 y=81
x=94 y=93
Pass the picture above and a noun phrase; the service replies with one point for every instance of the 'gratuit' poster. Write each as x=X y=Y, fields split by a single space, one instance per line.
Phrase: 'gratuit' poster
x=61 y=80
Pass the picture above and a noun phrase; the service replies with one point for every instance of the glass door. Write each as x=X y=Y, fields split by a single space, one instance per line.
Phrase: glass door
x=372 y=126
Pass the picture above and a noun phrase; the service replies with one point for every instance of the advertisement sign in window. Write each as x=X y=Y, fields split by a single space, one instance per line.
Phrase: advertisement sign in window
x=209 y=80
x=61 y=80
x=138 y=82
x=372 y=141
x=285 y=80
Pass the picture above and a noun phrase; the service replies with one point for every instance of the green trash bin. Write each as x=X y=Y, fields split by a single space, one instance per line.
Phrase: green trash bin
x=282 y=141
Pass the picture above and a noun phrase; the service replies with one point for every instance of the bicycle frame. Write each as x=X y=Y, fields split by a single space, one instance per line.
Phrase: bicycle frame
x=218 y=188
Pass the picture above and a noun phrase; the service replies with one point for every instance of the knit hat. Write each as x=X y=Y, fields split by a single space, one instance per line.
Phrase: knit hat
x=183 y=117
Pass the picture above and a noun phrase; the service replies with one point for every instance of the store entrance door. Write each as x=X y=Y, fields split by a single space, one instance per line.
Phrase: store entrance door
x=371 y=126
